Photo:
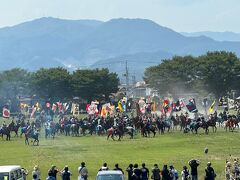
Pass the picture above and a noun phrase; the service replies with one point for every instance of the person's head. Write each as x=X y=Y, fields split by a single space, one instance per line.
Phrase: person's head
x=171 y=166
x=209 y=164
x=66 y=168
x=34 y=176
x=116 y=165
x=143 y=165
x=104 y=164
x=83 y=164
x=130 y=165
x=35 y=168
x=184 y=167
x=228 y=164
x=165 y=166
x=155 y=165
x=135 y=166
x=53 y=167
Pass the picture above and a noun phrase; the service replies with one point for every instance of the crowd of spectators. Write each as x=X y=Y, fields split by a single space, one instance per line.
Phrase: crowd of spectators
x=135 y=172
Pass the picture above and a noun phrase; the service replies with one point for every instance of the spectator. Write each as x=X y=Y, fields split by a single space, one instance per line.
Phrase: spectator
x=34 y=177
x=104 y=167
x=50 y=177
x=136 y=172
x=36 y=171
x=210 y=174
x=117 y=168
x=173 y=173
x=144 y=172
x=83 y=172
x=65 y=173
x=228 y=171
x=25 y=173
x=236 y=169
x=156 y=173
x=53 y=171
x=185 y=173
x=194 y=164
x=130 y=171
x=165 y=173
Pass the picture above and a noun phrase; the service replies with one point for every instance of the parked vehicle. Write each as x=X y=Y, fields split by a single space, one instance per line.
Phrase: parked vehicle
x=13 y=172
x=110 y=175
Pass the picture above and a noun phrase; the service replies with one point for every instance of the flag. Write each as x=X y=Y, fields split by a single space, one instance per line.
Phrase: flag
x=176 y=106
x=107 y=109
x=191 y=106
x=48 y=105
x=92 y=108
x=165 y=106
x=59 y=106
x=120 y=106
x=181 y=102
x=34 y=108
x=54 y=107
x=6 y=113
x=231 y=104
x=37 y=105
x=211 y=108
x=142 y=106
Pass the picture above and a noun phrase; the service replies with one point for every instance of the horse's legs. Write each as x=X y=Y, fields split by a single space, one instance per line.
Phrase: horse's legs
x=154 y=133
x=108 y=136
x=112 y=136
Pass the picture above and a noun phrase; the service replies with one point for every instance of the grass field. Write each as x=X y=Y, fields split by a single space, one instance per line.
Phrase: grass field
x=172 y=148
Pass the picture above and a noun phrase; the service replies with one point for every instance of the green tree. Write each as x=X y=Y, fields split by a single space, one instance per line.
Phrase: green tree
x=14 y=83
x=219 y=72
x=97 y=83
x=52 y=84
x=216 y=72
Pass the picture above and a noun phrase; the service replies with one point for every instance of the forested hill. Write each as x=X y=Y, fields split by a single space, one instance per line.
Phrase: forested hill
x=73 y=44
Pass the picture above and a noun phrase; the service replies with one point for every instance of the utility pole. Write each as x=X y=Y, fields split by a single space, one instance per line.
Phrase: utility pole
x=127 y=77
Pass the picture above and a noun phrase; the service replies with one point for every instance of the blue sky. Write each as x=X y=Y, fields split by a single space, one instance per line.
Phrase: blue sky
x=180 y=15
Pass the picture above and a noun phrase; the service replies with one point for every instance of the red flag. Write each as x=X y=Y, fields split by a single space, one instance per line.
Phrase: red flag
x=6 y=113
x=59 y=106
x=54 y=107
x=48 y=105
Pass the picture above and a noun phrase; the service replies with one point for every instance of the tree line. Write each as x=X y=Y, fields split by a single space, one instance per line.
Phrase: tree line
x=215 y=72
x=57 y=84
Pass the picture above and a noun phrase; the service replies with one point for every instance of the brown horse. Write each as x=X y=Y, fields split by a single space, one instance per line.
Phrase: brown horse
x=230 y=124
x=212 y=123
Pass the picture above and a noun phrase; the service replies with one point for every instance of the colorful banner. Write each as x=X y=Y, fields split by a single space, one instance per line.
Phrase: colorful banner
x=6 y=113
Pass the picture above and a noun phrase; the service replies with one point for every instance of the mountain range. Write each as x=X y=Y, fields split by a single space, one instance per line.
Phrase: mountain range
x=50 y=42
x=218 y=36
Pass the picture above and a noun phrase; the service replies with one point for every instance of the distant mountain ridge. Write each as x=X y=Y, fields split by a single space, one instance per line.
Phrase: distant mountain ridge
x=218 y=36
x=49 y=42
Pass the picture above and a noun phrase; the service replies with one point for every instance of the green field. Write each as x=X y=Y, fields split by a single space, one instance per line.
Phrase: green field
x=172 y=148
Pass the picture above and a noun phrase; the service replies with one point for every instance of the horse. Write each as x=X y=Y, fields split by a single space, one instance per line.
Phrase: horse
x=167 y=124
x=230 y=124
x=160 y=126
x=183 y=122
x=99 y=130
x=114 y=132
x=212 y=123
x=130 y=131
x=14 y=128
x=67 y=128
x=50 y=131
x=33 y=135
x=147 y=128
x=75 y=129
x=200 y=123
x=5 y=131
x=175 y=122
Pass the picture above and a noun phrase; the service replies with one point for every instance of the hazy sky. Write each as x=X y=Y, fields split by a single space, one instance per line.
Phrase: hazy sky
x=180 y=15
